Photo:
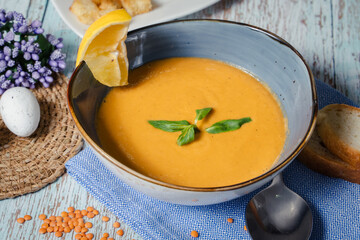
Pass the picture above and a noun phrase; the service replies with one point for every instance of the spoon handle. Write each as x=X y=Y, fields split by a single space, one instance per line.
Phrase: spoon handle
x=278 y=179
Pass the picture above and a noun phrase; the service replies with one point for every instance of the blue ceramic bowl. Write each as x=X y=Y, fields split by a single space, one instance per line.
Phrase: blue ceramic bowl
x=262 y=53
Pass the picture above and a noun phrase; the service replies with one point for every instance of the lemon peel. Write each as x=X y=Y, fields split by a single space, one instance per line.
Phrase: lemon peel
x=103 y=48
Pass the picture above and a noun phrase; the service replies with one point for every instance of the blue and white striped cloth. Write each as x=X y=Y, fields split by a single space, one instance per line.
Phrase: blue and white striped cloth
x=335 y=203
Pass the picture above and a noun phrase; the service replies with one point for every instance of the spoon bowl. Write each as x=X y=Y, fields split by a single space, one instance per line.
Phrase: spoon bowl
x=278 y=213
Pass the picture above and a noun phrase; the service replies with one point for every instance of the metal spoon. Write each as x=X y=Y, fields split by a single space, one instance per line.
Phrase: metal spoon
x=278 y=213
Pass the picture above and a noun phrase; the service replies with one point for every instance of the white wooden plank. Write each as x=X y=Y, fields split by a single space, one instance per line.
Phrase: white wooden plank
x=36 y=9
x=346 y=47
x=20 y=6
x=324 y=32
x=52 y=200
x=306 y=25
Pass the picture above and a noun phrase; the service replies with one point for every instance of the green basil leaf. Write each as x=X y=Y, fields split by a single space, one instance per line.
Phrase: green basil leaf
x=201 y=113
x=187 y=135
x=170 y=126
x=227 y=125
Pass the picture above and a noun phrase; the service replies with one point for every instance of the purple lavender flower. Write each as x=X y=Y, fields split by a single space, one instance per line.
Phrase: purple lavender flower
x=7 y=51
x=9 y=15
x=2 y=15
x=23 y=29
x=36 y=24
x=15 y=52
x=3 y=65
x=11 y=63
x=9 y=36
x=20 y=51
x=8 y=73
x=37 y=65
x=35 y=57
x=30 y=68
x=27 y=56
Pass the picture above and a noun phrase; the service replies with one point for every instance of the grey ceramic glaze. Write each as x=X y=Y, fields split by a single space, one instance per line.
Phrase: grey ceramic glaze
x=259 y=52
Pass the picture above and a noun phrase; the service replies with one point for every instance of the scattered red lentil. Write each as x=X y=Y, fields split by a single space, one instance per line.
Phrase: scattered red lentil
x=77 y=236
x=194 y=234
x=77 y=229
x=230 y=220
x=72 y=220
x=245 y=228
x=116 y=225
x=120 y=232
x=64 y=214
x=20 y=220
x=84 y=212
x=88 y=225
x=90 y=235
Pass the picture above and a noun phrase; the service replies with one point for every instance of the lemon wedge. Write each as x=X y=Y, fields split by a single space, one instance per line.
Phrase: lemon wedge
x=103 y=48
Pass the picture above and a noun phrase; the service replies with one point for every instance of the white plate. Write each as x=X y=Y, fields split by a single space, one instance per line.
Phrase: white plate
x=163 y=10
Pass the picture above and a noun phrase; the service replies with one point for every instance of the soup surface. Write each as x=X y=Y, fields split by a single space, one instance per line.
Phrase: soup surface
x=172 y=89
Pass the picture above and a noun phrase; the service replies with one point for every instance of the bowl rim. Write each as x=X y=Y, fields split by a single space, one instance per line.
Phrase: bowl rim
x=273 y=171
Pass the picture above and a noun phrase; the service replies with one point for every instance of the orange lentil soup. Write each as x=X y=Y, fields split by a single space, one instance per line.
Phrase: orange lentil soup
x=172 y=89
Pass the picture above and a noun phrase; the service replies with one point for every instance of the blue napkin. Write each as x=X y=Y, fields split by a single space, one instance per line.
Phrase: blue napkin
x=335 y=203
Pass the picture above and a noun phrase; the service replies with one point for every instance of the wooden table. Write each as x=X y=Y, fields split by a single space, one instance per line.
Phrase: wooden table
x=326 y=33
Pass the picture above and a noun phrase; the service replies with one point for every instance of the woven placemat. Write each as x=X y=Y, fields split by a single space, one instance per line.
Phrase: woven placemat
x=27 y=164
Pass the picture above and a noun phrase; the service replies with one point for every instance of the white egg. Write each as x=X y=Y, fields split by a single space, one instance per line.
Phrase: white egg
x=20 y=111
